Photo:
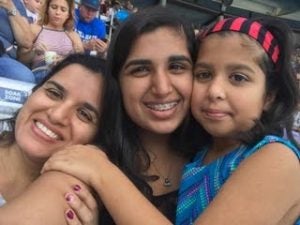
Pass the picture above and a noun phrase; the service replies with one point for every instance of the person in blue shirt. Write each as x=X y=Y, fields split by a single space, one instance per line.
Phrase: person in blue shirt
x=91 y=29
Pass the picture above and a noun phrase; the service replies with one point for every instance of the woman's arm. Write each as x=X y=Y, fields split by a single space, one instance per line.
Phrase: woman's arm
x=25 y=55
x=77 y=43
x=19 y=25
x=122 y=199
x=45 y=202
x=263 y=190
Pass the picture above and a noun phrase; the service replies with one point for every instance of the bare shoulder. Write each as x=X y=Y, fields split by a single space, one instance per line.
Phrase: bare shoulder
x=276 y=154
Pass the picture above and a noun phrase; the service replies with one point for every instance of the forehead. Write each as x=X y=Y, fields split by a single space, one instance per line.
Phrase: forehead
x=63 y=3
x=167 y=39
x=33 y=1
x=234 y=43
x=80 y=82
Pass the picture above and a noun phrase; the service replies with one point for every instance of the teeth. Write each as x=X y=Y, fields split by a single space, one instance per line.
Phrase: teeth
x=162 y=107
x=46 y=131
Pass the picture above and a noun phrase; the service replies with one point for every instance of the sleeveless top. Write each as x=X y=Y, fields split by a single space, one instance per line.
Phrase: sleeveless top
x=165 y=203
x=58 y=41
x=201 y=183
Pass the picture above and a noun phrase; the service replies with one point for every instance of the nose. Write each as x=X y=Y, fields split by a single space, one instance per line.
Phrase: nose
x=59 y=114
x=216 y=89
x=161 y=83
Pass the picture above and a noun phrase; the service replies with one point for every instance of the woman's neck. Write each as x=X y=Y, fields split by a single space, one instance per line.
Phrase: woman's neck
x=52 y=27
x=18 y=170
x=165 y=162
x=157 y=144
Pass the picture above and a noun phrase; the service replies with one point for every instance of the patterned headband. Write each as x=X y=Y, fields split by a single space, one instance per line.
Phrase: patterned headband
x=252 y=29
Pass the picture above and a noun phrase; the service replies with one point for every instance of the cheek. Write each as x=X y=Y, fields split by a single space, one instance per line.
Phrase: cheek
x=198 y=94
x=132 y=93
x=84 y=134
x=185 y=87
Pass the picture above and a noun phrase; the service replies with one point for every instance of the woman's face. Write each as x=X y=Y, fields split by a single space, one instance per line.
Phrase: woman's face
x=62 y=112
x=58 y=12
x=156 y=81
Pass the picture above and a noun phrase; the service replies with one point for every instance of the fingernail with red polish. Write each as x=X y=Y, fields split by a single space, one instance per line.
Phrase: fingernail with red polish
x=69 y=197
x=70 y=214
x=77 y=187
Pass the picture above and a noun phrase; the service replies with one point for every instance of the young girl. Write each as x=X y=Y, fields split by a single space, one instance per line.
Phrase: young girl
x=243 y=97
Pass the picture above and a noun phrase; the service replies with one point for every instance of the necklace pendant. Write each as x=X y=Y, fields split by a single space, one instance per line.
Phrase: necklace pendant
x=167 y=182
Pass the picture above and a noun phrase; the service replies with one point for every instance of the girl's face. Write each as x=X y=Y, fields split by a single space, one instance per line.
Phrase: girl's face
x=229 y=86
x=58 y=12
x=63 y=112
x=156 y=81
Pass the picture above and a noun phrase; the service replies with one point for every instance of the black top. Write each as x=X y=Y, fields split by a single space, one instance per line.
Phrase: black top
x=165 y=203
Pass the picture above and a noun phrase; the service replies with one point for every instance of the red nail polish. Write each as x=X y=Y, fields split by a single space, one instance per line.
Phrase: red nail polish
x=77 y=187
x=70 y=214
x=69 y=197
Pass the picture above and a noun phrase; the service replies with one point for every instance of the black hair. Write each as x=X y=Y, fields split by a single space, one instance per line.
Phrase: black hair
x=91 y=63
x=281 y=82
x=122 y=139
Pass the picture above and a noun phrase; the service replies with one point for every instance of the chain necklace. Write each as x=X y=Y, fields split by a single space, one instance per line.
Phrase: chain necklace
x=166 y=180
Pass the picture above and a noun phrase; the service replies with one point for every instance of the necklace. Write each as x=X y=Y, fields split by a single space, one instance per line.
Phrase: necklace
x=166 y=180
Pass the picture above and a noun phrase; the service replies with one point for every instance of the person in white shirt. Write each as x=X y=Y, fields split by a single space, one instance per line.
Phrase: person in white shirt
x=32 y=9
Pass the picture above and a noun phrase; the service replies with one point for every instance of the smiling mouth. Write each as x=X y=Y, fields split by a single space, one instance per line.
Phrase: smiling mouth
x=162 y=106
x=46 y=130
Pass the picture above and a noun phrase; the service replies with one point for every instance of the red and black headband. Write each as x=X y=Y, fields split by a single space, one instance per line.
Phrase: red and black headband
x=253 y=29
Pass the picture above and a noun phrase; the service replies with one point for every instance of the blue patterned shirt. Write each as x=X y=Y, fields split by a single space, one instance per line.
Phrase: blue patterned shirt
x=201 y=183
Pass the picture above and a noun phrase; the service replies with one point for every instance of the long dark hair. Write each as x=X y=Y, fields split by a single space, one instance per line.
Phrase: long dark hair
x=122 y=140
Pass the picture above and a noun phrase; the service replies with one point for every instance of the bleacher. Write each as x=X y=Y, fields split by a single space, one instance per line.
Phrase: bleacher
x=13 y=93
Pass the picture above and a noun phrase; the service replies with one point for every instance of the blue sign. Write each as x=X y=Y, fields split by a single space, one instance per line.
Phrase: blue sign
x=12 y=95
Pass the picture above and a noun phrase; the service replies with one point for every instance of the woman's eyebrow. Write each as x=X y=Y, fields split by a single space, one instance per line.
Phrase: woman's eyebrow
x=57 y=85
x=137 y=62
x=180 y=58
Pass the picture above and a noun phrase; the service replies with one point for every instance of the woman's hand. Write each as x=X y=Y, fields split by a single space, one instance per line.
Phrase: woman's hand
x=40 y=49
x=83 y=207
x=81 y=161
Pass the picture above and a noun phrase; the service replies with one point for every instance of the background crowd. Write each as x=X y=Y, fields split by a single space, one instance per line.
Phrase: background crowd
x=36 y=34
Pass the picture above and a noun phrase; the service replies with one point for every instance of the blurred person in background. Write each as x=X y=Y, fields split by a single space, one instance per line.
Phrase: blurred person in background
x=91 y=29
x=32 y=9
x=53 y=32
x=14 y=33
